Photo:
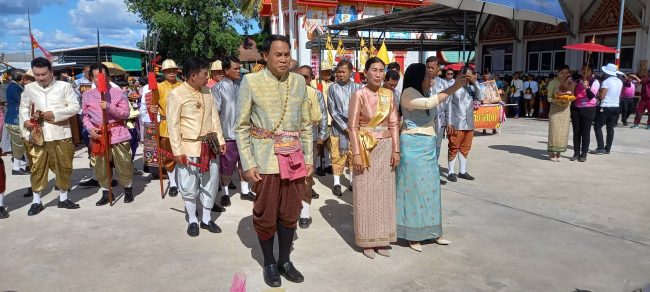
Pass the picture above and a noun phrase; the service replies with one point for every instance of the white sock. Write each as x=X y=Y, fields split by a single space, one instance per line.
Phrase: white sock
x=172 y=178
x=23 y=163
x=337 y=180
x=451 y=165
x=225 y=190
x=351 y=177
x=16 y=164
x=245 y=188
x=304 y=212
x=36 y=198
x=206 y=215
x=190 y=207
x=63 y=195
x=463 y=162
x=129 y=184
x=2 y=199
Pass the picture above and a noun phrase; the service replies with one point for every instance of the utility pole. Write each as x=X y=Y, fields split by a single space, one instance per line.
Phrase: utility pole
x=29 y=20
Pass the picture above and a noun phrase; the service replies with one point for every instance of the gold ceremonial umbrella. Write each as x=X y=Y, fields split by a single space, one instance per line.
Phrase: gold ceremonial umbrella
x=114 y=69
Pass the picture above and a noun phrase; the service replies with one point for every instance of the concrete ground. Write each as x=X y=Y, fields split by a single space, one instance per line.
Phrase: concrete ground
x=525 y=224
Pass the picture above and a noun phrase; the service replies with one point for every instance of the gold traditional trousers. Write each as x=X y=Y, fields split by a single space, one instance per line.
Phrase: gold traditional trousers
x=120 y=156
x=340 y=160
x=52 y=155
x=17 y=144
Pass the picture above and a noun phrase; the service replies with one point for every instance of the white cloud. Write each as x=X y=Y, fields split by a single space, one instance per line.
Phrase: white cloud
x=120 y=27
x=9 y=7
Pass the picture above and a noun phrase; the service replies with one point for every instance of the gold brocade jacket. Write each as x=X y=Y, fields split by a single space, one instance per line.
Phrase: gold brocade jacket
x=262 y=104
x=191 y=114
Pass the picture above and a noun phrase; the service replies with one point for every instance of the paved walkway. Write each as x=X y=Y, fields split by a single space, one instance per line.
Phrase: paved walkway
x=525 y=224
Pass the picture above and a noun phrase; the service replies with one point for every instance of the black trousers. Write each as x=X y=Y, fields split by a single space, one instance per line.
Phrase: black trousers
x=581 y=120
x=605 y=116
x=628 y=107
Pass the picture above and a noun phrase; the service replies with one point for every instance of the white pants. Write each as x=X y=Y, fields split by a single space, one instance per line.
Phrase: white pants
x=192 y=183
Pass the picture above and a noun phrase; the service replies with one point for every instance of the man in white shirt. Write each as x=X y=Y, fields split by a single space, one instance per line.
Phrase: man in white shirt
x=47 y=105
x=607 y=113
x=518 y=85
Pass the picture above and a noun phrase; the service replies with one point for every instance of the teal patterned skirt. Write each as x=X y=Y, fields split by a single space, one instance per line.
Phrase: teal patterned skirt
x=418 y=189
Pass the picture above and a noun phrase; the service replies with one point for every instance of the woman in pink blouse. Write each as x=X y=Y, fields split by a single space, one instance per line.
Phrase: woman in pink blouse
x=374 y=143
x=583 y=111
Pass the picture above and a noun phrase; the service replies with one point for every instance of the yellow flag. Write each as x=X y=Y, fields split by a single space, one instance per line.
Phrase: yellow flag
x=383 y=53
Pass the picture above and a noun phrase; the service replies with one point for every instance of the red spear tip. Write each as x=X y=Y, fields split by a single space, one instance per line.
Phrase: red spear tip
x=101 y=83
x=153 y=84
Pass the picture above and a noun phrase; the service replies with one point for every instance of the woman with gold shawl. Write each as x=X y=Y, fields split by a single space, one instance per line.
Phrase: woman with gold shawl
x=418 y=195
x=374 y=143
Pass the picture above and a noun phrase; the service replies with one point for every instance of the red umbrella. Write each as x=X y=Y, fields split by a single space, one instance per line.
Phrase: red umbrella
x=590 y=47
x=457 y=66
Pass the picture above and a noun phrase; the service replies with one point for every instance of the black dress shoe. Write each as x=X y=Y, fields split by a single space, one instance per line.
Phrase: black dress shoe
x=250 y=196
x=452 y=177
x=193 y=230
x=67 y=204
x=212 y=227
x=443 y=182
x=350 y=187
x=232 y=186
x=304 y=223
x=337 y=190
x=92 y=182
x=320 y=171
x=3 y=212
x=290 y=273
x=272 y=275
x=113 y=183
x=35 y=209
x=466 y=176
x=218 y=209
x=28 y=193
x=328 y=169
x=574 y=157
x=103 y=200
x=128 y=195
x=173 y=191
x=225 y=201
x=582 y=159
x=314 y=195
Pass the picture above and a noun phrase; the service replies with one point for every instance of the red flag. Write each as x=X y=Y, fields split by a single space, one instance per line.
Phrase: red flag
x=153 y=84
x=35 y=45
x=101 y=83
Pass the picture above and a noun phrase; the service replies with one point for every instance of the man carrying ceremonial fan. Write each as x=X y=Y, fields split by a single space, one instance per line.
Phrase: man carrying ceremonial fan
x=117 y=110
x=45 y=107
x=196 y=140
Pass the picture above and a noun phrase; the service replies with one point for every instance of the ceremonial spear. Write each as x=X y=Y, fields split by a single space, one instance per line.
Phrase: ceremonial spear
x=103 y=88
x=151 y=101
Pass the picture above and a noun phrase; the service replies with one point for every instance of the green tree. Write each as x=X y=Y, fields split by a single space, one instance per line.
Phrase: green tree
x=189 y=27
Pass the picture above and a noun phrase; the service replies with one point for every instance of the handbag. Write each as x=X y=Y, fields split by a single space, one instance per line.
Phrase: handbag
x=36 y=134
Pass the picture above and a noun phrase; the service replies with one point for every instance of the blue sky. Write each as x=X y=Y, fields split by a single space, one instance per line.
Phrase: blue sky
x=67 y=23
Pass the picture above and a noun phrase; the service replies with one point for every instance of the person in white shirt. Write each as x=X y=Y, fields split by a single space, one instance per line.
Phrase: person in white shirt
x=515 y=97
x=607 y=114
x=47 y=105
x=529 y=101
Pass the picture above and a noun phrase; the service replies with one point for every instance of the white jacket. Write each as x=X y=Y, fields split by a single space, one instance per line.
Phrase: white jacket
x=59 y=98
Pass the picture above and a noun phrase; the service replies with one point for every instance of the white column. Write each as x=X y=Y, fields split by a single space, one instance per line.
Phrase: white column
x=281 y=19
x=519 y=55
x=304 y=54
x=292 y=31
x=274 y=22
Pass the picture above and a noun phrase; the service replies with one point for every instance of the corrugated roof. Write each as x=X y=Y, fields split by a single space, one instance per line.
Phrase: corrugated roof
x=95 y=46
